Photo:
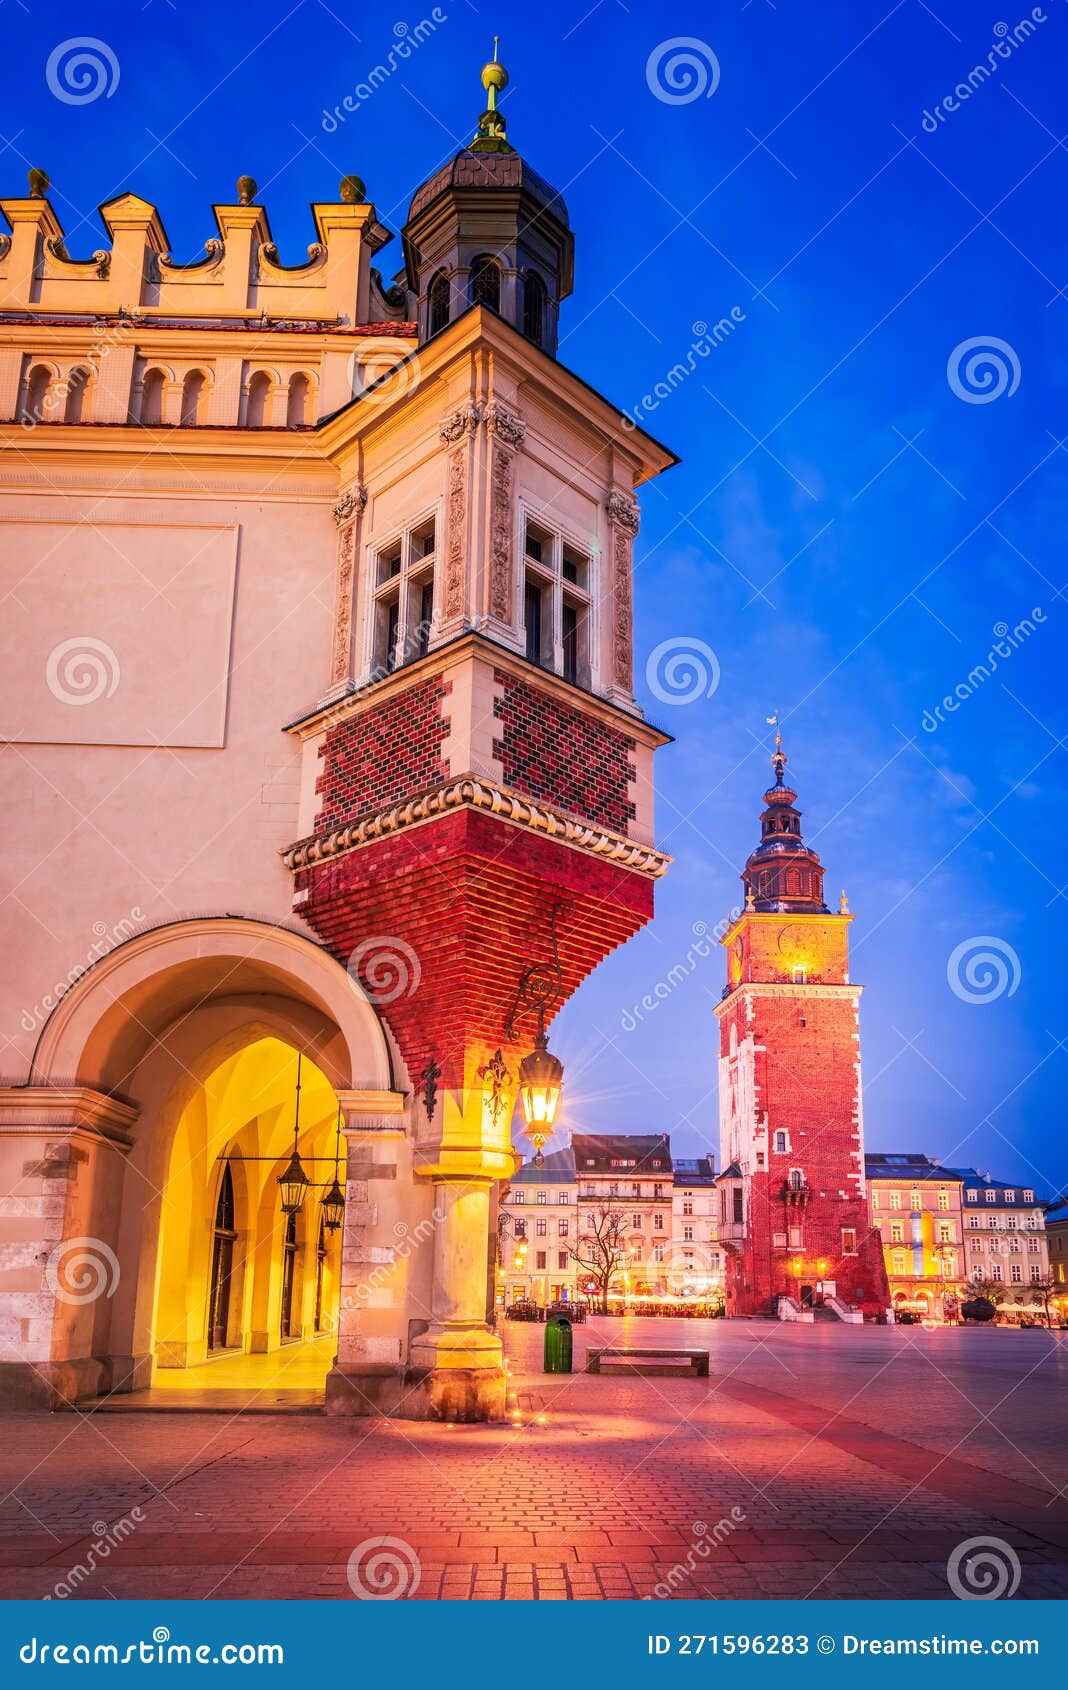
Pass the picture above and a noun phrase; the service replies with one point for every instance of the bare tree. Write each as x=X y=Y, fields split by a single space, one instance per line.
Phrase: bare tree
x=1043 y=1292
x=602 y=1248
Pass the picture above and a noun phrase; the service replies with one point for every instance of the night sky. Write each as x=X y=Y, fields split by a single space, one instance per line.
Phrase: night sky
x=867 y=497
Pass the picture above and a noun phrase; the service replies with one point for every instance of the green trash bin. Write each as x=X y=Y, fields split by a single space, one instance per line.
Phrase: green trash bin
x=557 y=1344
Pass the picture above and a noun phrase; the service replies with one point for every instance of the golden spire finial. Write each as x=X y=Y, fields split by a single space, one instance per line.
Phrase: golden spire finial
x=491 y=125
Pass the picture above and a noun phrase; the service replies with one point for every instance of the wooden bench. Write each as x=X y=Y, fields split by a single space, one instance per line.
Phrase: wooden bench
x=672 y=1364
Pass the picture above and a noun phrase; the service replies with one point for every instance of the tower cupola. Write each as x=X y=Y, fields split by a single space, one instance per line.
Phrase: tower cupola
x=485 y=229
x=783 y=873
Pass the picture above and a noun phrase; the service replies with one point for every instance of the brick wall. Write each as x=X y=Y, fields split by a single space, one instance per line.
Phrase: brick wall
x=553 y=752
x=384 y=754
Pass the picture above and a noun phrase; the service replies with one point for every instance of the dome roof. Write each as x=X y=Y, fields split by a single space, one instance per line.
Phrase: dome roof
x=480 y=171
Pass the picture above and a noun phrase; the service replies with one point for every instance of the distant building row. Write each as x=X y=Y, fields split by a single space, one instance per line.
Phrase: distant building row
x=945 y=1232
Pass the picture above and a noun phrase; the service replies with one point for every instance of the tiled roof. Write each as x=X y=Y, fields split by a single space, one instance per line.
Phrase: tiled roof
x=631 y=1153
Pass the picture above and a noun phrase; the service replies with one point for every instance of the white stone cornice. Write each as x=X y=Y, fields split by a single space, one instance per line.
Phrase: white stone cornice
x=37 y=1109
x=500 y=801
x=789 y=989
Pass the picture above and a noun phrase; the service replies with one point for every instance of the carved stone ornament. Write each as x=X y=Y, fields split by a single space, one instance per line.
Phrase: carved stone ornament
x=455 y=534
x=505 y=424
x=460 y=423
x=501 y=537
x=350 y=504
x=346 y=552
x=623 y=617
x=624 y=513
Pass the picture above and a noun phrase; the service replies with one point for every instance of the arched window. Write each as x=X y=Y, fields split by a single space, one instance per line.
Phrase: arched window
x=797 y=1180
x=439 y=301
x=486 y=282
x=35 y=403
x=152 y=386
x=77 y=382
x=533 y=307
x=793 y=882
x=224 y=1236
x=256 y=408
x=297 y=404
x=192 y=390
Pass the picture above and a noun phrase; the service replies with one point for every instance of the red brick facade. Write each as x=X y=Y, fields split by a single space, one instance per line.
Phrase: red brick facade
x=466 y=902
x=549 y=751
x=384 y=754
x=806 y=1221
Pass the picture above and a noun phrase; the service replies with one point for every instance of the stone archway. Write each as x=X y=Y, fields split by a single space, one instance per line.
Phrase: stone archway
x=87 y=1143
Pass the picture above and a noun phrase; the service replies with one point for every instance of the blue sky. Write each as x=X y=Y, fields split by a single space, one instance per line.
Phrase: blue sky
x=846 y=530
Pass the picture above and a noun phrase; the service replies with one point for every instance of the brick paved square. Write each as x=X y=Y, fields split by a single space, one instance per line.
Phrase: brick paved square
x=835 y=1461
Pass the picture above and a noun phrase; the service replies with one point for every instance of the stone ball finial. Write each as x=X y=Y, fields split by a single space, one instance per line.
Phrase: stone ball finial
x=40 y=182
x=352 y=190
x=494 y=76
x=246 y=190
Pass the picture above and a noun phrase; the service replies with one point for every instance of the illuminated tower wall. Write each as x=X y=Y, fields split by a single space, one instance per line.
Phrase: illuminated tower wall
x=791 y=1121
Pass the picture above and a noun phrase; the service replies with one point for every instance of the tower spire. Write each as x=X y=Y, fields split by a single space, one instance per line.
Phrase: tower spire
x=490 y=136
x=783 y=873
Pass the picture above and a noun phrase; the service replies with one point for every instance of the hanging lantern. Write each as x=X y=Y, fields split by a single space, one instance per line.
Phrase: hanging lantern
x=333 y=1207
x=541 y=1079
x=334 y=1201
x=293 y=1183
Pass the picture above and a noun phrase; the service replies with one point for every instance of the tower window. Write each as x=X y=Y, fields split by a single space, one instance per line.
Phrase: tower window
x=557 y=603
x=800 y=975
x=402 y=574
x=486 y=282
x=534 y=308
x=532 y=615
x=259 y=388
x=35 y=403
x=297 y=401
x=439 y=302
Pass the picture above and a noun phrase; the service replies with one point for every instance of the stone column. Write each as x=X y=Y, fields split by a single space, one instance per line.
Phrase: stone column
x=381 y=1242
x=62 y=1163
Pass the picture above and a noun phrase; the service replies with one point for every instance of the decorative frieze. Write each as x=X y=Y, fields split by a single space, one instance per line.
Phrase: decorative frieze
x=505 y=424
x=455 y=535
x=501 y=530
x=508 y=806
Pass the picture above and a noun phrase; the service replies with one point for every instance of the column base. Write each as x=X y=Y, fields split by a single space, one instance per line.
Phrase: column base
x=418 y=1393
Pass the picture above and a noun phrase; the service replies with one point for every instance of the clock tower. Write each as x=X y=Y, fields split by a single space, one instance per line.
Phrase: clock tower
x=791 y=1122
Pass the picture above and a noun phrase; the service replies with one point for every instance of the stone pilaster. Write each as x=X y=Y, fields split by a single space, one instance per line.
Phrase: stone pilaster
x=618 y=655
x=348 y=515
x=62 y=1160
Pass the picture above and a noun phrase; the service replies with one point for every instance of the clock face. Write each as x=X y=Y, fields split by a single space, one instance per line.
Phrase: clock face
x=792 y=939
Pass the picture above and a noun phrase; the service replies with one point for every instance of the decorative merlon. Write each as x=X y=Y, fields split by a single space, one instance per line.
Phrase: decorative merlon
x=486 y=795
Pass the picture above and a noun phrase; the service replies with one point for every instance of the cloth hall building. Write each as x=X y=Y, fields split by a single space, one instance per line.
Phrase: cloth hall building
x=321 y=735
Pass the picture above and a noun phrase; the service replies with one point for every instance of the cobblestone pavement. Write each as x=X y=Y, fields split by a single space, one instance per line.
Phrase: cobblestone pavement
x=825 y=1461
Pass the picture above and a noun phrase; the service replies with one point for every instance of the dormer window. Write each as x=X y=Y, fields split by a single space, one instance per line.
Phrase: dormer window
x=486 y=282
